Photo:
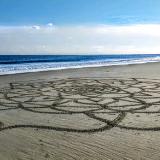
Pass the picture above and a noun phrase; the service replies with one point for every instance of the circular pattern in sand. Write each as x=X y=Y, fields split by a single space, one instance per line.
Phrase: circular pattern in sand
x=84 y=105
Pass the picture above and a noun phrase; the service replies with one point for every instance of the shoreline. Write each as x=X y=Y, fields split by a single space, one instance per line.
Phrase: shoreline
x=82 y=68
x=144 y=70
x=88 y=67
x=78 y=65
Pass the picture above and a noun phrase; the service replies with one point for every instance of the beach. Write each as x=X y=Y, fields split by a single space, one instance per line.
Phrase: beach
x=97 y=113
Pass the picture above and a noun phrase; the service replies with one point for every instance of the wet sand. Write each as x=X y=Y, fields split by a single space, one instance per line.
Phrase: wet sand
x=105 y=113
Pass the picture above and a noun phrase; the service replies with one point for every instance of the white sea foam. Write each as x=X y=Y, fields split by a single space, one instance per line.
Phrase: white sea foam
x=36 y=67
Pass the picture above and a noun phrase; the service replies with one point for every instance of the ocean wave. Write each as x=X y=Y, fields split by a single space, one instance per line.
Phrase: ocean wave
x=48 y=66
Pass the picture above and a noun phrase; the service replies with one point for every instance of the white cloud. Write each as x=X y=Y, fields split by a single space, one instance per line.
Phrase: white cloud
x=50 y=24
x=80 y=39
x=36 y=27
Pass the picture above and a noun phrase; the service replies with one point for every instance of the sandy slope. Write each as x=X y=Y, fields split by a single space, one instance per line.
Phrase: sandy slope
x=92 y=113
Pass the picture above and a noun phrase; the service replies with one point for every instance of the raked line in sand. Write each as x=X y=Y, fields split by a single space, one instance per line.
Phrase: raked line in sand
x=83 y=105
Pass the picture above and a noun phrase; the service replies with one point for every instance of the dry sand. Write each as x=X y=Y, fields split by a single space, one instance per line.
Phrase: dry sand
x=105 y=113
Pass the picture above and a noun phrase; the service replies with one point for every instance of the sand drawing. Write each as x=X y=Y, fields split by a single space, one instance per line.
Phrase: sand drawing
x=110 y=102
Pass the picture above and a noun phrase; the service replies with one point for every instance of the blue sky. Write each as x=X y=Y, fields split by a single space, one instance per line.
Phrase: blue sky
x=79 y=26
x=62 y=12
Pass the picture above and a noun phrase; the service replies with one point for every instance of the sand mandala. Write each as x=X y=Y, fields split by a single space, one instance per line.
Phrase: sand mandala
x=84 y=105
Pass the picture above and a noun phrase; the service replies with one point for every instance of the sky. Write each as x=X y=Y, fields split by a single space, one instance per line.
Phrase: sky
x=79 y=26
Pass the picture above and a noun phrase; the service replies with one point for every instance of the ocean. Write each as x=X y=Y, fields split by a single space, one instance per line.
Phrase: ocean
x=11 y=64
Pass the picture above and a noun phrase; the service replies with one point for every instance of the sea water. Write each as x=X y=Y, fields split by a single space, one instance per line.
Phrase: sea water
x=11 y=64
